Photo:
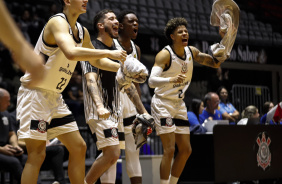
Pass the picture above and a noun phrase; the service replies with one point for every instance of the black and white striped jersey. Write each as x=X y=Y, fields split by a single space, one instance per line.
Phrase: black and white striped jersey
x=108 y=89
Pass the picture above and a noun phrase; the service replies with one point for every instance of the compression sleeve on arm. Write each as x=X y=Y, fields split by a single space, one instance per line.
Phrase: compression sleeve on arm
x=155 y=80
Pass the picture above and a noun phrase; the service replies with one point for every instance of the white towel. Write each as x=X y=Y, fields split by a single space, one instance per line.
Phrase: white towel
x=225 y=15
x=131 y=71
x=134 y=69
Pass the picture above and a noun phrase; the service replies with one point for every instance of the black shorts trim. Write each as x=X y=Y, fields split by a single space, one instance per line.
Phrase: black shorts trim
x=167 y=122
x=39 y=125
x=177 y=122
x=121 y=136
x=128 y=121
x=61 y=121
x=181 y=122
x=111 y=132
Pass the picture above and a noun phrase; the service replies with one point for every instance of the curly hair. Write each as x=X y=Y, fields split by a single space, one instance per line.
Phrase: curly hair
x=172 y=24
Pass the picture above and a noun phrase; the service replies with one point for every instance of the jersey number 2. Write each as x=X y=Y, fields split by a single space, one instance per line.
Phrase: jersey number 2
x=180 y=95
x=61 y=84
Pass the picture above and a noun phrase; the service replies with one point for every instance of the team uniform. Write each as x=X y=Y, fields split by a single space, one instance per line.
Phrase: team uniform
x=42 y=112
x=129 y=110
x=107 y=131
x=167 y=106
x=129 y=114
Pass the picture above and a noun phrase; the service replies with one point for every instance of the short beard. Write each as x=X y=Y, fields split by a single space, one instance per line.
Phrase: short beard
x=108 y=30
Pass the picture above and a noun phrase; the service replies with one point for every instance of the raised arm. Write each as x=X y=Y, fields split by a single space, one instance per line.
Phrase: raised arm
x=57 y=33
x=203 y=58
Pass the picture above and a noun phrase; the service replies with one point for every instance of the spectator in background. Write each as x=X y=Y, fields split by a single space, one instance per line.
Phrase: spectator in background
x=53 y=10
x=249 y=114
x=211 y=111
x=24 y=23
x=267 y=106
x=197 y=108
x=22 y=51
x=35 y=26
x=218 y=79
x=272 y=115
x=226 y=108
x=73 y=96
x=12 y=158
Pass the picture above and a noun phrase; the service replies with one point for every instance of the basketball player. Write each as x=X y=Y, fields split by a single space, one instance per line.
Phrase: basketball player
x=128 y=29
x=23 y=53
x=103 y=108
x=171 y=76
x=42 y=112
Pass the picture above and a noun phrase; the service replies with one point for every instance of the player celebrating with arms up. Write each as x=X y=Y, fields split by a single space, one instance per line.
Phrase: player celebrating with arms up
x=171 y=76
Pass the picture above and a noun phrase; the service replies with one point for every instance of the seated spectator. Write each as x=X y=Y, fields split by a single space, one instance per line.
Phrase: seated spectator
x=211 y=111
x=197 y=108
x=12 y=158
x=226 y=108
x=250 y=115
x=267 y=106
x=54 y=154
x=274 y=114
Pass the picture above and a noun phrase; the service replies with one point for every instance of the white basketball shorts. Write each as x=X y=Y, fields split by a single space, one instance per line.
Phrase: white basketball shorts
x=43 y=114
x=170 y=116
x=107 y=133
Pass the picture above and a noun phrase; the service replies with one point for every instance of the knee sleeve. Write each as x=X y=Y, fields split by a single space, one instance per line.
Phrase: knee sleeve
x=110 y=175
x=133 y=166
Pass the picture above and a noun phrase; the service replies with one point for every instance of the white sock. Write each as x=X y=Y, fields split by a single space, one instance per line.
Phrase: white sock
x=173 y=180
x=164 y=181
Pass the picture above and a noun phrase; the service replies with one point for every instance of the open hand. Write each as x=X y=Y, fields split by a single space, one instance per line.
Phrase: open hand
x=118 y=55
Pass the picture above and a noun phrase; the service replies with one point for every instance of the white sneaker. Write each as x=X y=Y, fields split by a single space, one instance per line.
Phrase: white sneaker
x=56 y=182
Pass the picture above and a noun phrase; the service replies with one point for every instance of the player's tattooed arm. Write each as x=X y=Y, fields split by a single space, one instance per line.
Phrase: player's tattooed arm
x=135 y=98
x=203 y=58
x=93 y=90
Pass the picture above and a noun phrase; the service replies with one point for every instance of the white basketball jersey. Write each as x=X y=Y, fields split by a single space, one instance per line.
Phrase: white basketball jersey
x=177 y=66
x=59 y=68
x=134 y=50
x=128 y=107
